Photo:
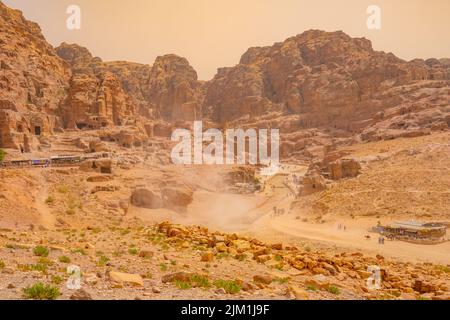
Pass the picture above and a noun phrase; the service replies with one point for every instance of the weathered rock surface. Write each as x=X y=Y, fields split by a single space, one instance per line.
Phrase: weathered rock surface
x=145 y=198
x=33 y=81
x=96 y=98
x=344 y=168
x=321 y=89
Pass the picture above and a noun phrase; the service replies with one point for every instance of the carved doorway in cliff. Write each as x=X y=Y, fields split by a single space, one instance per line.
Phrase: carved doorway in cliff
x=37 y=130
x=105 y=170
x=81 y=125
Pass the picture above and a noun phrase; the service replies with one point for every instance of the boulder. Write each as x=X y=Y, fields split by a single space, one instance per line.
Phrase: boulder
x=103 y=166
x=146 y=198
x=179 y=276
x=344 y=168
x=102 y=178
x=312 y=182
x=177 y=197
x=127 y=278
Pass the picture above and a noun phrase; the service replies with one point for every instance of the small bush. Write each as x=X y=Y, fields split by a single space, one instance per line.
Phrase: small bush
x=334 y=290
x=102 y=261
x=133 y=251
x=163 y=267
x=222 y=255
x=230 y=286
x=311 y=287
x=38 y=267
x=45 y=261
x=2 y=155
x=200 y=281
x=282 y=280
x=445 y=269
x=40 y=251
x=2 y=265
x=40 y=291
x=241 y=257
x=57 y=279
x=80 y=251
x=182 y=285
x=50 y=200
x=64 y=259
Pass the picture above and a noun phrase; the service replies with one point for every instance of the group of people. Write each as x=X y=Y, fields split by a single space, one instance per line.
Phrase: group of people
x=278 y=212
x=342 y=227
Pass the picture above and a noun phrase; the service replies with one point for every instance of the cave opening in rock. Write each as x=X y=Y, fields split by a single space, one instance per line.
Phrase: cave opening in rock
x=105 y=170
x=81 y=125
x=37 y=130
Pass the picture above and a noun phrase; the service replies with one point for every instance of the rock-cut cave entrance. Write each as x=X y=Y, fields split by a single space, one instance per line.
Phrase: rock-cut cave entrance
x=37 y=130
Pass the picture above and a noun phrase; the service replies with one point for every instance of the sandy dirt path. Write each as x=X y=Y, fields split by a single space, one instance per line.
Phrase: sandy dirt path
x=253 y=215
x=46 y=219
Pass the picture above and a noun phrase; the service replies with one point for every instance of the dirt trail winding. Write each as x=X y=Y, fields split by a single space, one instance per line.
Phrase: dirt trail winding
x=46 y=219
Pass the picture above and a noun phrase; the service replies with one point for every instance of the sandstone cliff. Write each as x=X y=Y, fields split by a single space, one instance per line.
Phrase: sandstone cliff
x=328 y=79
x=96 y=98
x=33 y=82
x=321 y=89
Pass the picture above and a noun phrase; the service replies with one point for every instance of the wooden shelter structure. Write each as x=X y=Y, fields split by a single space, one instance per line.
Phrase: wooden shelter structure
x=414 y=230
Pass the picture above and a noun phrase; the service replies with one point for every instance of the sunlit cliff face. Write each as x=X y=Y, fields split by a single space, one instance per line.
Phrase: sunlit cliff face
x=216 y=33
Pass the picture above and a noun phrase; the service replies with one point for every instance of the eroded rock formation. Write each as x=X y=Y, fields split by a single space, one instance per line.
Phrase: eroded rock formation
x=321 y=89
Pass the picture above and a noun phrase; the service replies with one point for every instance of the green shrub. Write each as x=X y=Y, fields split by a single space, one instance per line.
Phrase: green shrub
x=40 y=291
x=2 y=155
x=311 y=287
x=182 y=285
x=334 y=290
x=102 y=261
x=38 y=267
x=50 y=200
x=40 y=251
x=230 y=286
x=133 y=251
x=200 y=281
x=45 y=261
x=445 y=269
x=80 y=251
x=64 y=259
x=57 y=279
x=241 y=257
x=163 y=267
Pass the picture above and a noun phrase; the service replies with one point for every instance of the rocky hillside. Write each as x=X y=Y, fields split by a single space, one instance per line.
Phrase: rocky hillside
x=33 y=82
x=322 y=89
x=96 y=97
x=329 y=79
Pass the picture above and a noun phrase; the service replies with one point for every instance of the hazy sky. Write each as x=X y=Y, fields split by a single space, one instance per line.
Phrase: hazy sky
x=215 y=33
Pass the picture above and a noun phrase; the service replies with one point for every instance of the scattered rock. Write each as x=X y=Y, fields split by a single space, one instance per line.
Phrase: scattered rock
x=207 y=257
x=81 y=294
x=265 y=279
x=134 y=279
